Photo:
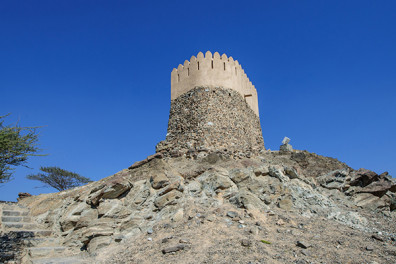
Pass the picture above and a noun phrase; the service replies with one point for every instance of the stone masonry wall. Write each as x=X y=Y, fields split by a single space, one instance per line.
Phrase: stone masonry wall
x=213 y=70
x=207 y=119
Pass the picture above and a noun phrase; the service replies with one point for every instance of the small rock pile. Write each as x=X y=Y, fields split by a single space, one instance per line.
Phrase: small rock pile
x=286 y=147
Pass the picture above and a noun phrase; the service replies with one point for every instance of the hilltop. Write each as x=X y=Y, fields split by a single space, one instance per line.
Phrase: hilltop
x=277 y=207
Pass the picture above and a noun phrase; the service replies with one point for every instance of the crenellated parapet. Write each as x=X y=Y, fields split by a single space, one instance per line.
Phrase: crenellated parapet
x=213 y=71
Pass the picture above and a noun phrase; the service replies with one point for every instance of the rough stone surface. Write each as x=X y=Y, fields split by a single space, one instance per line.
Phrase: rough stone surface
x=178 y=216
x=271 y=200
x=291 y=172
x=148 y=159
x=167 y=199
x=286 y=148
x=23 y=195
x=277 y=172
x=159 y=180
x=212 y=119
x=239 y=175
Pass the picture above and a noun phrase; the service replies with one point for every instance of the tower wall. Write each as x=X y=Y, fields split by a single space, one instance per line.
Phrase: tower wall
x=214 y=108
x=208 y=119
x=213 y=71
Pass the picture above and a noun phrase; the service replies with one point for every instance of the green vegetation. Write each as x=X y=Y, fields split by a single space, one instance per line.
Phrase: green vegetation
x=58 y=178
x=16 y=145
x=265 y=242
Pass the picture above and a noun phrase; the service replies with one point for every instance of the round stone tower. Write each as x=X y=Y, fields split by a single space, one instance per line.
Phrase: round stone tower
x=214 y=108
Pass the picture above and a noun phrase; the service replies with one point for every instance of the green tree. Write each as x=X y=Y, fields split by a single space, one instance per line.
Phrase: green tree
x=58 y=178
x=16 y=145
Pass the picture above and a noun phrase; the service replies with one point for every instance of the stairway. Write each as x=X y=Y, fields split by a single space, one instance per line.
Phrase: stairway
x=23 y=241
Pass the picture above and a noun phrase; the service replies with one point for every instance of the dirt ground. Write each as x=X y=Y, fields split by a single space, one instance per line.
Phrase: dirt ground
x=213 y=237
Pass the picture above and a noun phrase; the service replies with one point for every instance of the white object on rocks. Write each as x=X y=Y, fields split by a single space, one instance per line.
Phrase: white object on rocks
x=285 y=145
x=285 y=140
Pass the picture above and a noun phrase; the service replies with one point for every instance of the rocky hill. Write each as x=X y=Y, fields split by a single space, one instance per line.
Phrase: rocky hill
x=277 y=207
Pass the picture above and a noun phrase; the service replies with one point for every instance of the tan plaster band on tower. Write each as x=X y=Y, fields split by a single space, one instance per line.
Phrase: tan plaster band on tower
x=213 y=71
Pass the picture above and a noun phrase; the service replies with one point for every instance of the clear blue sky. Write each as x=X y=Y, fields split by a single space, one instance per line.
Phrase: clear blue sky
x=96 y=75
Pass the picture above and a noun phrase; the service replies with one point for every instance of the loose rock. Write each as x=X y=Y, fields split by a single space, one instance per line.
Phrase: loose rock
x=303 y=244
x=173 y=249
x=232 y=214
x=246 y=243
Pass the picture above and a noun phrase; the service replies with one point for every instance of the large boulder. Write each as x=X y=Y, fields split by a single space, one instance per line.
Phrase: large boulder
x=239 y=175
x=370 y=201
x=360 y=181
x=335 y=179
x=277 y=172
x=216 y=180
x=363 y=177
x=366 y=181
x=169 y=198
x=116 y=189
x=378 y=188
x=159 y=180
x=246 y=199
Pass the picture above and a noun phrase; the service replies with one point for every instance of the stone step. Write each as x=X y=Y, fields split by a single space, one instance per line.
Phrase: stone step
x=32 y=233
x=40 y=252
x=61 y=260
x=20 y=225
x=41 y=242
x=14 y=207
x=14 y=219
x=15 y=213
x=42 y=233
